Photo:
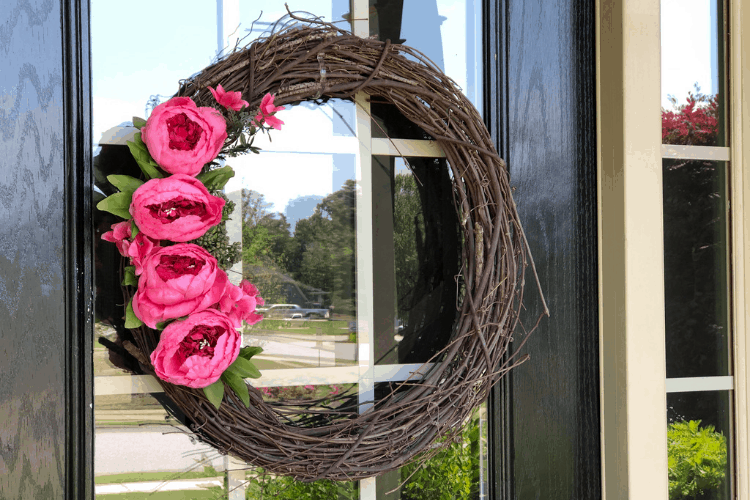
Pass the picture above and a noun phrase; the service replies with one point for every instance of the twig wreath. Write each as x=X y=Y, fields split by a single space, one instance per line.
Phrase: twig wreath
x=313 y=61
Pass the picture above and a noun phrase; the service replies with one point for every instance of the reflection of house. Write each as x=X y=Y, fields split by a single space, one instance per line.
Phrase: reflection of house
x=287 y=289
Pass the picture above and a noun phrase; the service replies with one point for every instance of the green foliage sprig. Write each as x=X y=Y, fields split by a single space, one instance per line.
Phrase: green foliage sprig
x=697 y=460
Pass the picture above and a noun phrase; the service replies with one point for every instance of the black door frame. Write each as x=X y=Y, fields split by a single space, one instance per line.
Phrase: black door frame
x=79 y=275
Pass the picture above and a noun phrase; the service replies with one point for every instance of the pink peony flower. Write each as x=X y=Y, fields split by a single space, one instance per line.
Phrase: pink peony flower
x=196 y=351
x=176 y=281
x=139 y=249
x=176 y=208
x=120 y=236
x=239 y=303
x=230 y=100
x=267 y=110
x=182 y=137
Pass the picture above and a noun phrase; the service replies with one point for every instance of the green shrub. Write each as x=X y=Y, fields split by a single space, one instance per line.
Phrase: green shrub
x=697 y=460
x=287 y=488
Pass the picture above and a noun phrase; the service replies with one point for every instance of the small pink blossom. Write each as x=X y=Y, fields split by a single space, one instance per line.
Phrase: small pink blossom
x=267 y=112
x=140 y=248
x=120 y=236
x=230 y=100
x=239 y=303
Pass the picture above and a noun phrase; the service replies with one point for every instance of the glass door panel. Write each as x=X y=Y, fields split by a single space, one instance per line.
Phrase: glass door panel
x=295 y=232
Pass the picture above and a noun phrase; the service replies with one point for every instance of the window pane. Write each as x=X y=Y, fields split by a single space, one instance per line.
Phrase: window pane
x=699 y=445
x=417 y=255
x=130 y=69
x=448 y=32
x=141 y=449
x=695 y=269
x=458 y=471
x=298 y=247
x=692 y=78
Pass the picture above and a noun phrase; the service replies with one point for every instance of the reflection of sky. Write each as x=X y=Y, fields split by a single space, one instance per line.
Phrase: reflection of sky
x=141 y=55
x=689 y=48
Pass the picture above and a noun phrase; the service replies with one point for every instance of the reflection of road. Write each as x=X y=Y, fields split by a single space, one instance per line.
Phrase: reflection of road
x=150 y=449
x=311 y=350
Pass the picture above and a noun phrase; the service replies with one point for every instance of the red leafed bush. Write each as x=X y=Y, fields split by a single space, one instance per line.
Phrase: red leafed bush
x=695 y=123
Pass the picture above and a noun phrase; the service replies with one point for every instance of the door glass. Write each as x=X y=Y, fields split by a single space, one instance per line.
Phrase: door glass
x=294 y=234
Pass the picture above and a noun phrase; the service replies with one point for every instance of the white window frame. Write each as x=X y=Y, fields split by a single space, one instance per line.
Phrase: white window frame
x=633 y=368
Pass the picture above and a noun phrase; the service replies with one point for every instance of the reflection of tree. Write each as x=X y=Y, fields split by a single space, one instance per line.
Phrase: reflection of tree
x=267 y=246
x=695 y=123
x=326 y=248
x=319 y=255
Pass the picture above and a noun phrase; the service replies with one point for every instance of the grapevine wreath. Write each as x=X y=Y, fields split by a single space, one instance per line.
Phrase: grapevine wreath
x=184 y=314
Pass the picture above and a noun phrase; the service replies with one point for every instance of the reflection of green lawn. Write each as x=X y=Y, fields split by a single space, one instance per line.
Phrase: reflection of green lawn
x=267 y=364
x=211 y=493
x=137 y=477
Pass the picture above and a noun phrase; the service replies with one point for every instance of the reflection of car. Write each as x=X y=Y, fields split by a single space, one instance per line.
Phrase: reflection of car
x=292 y=311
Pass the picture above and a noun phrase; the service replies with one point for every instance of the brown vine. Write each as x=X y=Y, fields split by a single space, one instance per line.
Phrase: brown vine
x=316 y=440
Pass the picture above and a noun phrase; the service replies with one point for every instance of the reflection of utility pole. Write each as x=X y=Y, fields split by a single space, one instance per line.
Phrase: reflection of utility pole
x=319 y=342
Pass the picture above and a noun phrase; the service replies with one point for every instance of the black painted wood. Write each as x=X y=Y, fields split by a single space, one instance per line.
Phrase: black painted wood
x=79 y=292
x=542 y=110
x=45 y=285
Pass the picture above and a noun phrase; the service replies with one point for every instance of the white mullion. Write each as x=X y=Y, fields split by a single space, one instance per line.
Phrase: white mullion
x=360 y=15
x=700 y=384
x=108 y=385
x=227 y=25
x=677 y=151
x=365 y=308
x=409 y=148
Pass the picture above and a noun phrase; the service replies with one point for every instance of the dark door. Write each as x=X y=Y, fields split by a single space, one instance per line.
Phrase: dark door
x=541 y=109
x=45 y=269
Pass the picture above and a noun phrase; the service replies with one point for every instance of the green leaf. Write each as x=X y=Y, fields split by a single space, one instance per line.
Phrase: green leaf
x=248 y=352
x=138 y=122
x=131 y=320
x=129 y=278
x=133 y=229
x=140 y=152
x=117 y=204
x=238 y=386
x=124 y=182
x=244 y=368
x=215 y=393
x=162 y=325
x=216 y=179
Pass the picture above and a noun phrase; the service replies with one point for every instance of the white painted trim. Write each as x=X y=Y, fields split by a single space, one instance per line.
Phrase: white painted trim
x=407 y=148
x=739 y=112
x=631 y=253
x=695 y=152
x=700 y=384
x=144 y=384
